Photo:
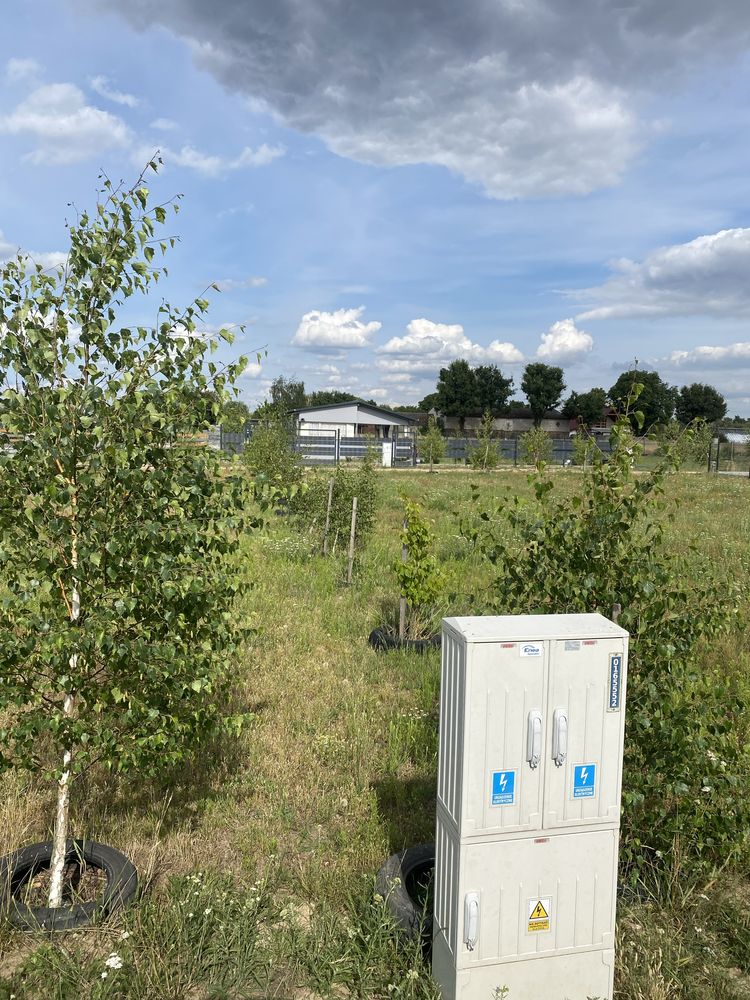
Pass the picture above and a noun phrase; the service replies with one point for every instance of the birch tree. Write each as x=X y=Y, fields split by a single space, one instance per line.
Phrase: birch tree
x=116 y=631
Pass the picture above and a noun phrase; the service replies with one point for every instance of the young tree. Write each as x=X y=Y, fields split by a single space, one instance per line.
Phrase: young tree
x=543 y=385
x=493 y=390
x=115 y=631
x=431 y=444
x=485 y=455
x=457 y=391
x=700 y=402
x=656 y=401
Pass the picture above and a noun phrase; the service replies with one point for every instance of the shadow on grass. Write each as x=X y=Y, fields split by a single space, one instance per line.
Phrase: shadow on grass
x=407 y=810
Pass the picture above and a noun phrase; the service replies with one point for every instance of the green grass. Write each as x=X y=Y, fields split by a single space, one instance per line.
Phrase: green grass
x=288 y=824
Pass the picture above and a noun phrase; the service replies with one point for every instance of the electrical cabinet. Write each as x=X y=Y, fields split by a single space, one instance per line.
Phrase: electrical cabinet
x=532 y=712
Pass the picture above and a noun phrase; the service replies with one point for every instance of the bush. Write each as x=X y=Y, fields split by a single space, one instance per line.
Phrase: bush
x=685 y=776
x=536 y=447
x=484 y=455
x=309 y=506
x=418 y=576
x=270 y=454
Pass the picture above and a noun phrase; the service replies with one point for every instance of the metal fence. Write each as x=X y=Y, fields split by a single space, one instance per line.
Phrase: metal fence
x=327 y=447
x=509 y=449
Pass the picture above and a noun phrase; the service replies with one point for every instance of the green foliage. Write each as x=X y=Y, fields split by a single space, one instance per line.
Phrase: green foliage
x=605 y=544
x=431 y=444
x=656 y=399
x=485 y=455
x=700 y=402
x=543 y=386
x=456 y=390
x=310 y=505
x=270 y=455
x=234 y=415
x=588 y=406
x=585 y=449
x=685 y=444
x=107 y=499
x=327 y=397
x=493 y=390
x=535 y=447
x=418 y=577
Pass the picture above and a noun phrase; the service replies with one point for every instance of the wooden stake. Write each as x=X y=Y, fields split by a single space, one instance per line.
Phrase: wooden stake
x=328 y=517
x=616 y=609
x=402 y=600
x=352 y=534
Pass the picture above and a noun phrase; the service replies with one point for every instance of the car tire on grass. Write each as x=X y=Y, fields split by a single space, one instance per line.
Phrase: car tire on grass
x=381 y=639
x=404 y=882
x=20 y=867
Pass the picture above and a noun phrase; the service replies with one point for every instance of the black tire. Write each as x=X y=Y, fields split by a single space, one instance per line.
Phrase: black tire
x=18 y=868
x=405 y=883
x=380 y=639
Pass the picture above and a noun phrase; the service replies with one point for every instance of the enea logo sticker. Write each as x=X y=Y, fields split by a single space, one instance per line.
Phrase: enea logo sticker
x=503 y=788
x=530 y=649
x=584 y=781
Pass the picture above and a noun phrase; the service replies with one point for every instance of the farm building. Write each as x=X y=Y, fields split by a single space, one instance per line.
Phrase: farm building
x=353 y=419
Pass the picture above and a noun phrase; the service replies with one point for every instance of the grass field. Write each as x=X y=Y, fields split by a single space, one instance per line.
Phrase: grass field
x=259 y=858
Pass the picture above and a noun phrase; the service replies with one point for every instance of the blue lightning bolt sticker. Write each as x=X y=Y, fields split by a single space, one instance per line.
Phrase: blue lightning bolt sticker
x=584 y=781
x=503 y=788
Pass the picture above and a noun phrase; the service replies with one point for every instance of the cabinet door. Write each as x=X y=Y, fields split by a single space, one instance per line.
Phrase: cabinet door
x=587 y=700
x=505 y=692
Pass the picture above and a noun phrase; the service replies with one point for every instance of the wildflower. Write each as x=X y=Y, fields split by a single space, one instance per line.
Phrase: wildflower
x=125 y=935
x=104 y=975
x=412 y=974
x=207 y=911
x=114 y=961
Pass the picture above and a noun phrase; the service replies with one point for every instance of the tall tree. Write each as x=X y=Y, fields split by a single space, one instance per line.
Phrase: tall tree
x=656 y=402
x=115 y=627
x=589 y=406
x=493 y=390
x=327 y=397
x=286 y=395
x=457 y=391
x=543 y=386
x=700 y=402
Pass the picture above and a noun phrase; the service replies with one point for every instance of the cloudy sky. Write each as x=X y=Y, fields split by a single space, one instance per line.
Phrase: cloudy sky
x=379 y=188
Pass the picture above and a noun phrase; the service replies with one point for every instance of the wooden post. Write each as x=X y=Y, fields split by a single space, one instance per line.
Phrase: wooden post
x=616 y=609
x=402 y=600
x=328 y=517
x=352 y=534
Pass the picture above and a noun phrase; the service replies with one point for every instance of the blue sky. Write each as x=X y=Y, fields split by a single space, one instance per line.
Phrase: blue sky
x=381 y=188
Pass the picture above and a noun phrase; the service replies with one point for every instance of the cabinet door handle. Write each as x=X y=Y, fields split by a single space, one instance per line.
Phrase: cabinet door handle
x=471 y=920
x=534 y=739
x=560 y=736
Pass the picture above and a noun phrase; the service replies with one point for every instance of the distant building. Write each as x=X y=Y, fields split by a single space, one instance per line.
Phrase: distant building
x=517 y=421
x=353 y=419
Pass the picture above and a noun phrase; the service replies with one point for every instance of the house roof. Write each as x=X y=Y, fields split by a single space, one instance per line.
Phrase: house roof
x=361 y=406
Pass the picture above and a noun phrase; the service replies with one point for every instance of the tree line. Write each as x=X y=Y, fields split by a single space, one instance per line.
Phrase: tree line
x=464 y=391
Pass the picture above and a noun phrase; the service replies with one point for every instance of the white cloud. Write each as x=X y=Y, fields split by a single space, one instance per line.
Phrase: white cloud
x=523 y=99
x=48 y=259
x=253 y=369
x=19 y=70
x=729 y=356
x=707 y=276
x=254 y=281
x=101 y=86
x=212 y=164
x=445 y=342
x=66 y=128
x=164 y=124
x=564 y=342
x=340 y=329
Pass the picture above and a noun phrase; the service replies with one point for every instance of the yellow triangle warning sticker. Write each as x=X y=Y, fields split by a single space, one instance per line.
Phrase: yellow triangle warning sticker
x=538 y=913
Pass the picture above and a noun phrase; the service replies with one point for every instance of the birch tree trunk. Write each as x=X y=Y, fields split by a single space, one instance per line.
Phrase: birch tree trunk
x=57 y=865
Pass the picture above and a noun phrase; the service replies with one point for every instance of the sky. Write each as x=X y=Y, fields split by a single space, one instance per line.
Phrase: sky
x=380 y=188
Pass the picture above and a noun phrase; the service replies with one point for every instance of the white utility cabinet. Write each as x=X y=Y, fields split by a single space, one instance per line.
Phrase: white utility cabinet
x=532 y=720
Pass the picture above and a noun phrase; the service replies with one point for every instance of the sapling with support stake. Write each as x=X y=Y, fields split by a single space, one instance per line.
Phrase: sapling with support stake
x=116 y=636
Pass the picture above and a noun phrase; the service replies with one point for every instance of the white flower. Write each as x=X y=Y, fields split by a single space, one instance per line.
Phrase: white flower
x=114 y=961
x=412 y=974
x=104 y=975
x=190 y=914
x=125 y=935
x=706 y=788
x=207 y=911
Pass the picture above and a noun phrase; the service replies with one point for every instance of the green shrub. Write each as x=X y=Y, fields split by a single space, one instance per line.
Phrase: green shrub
x=686 y=774
x=309 y=505
x=418 y=576
x=270 y=454
x=535 y=446
x=431 y=444
x=485 y=455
